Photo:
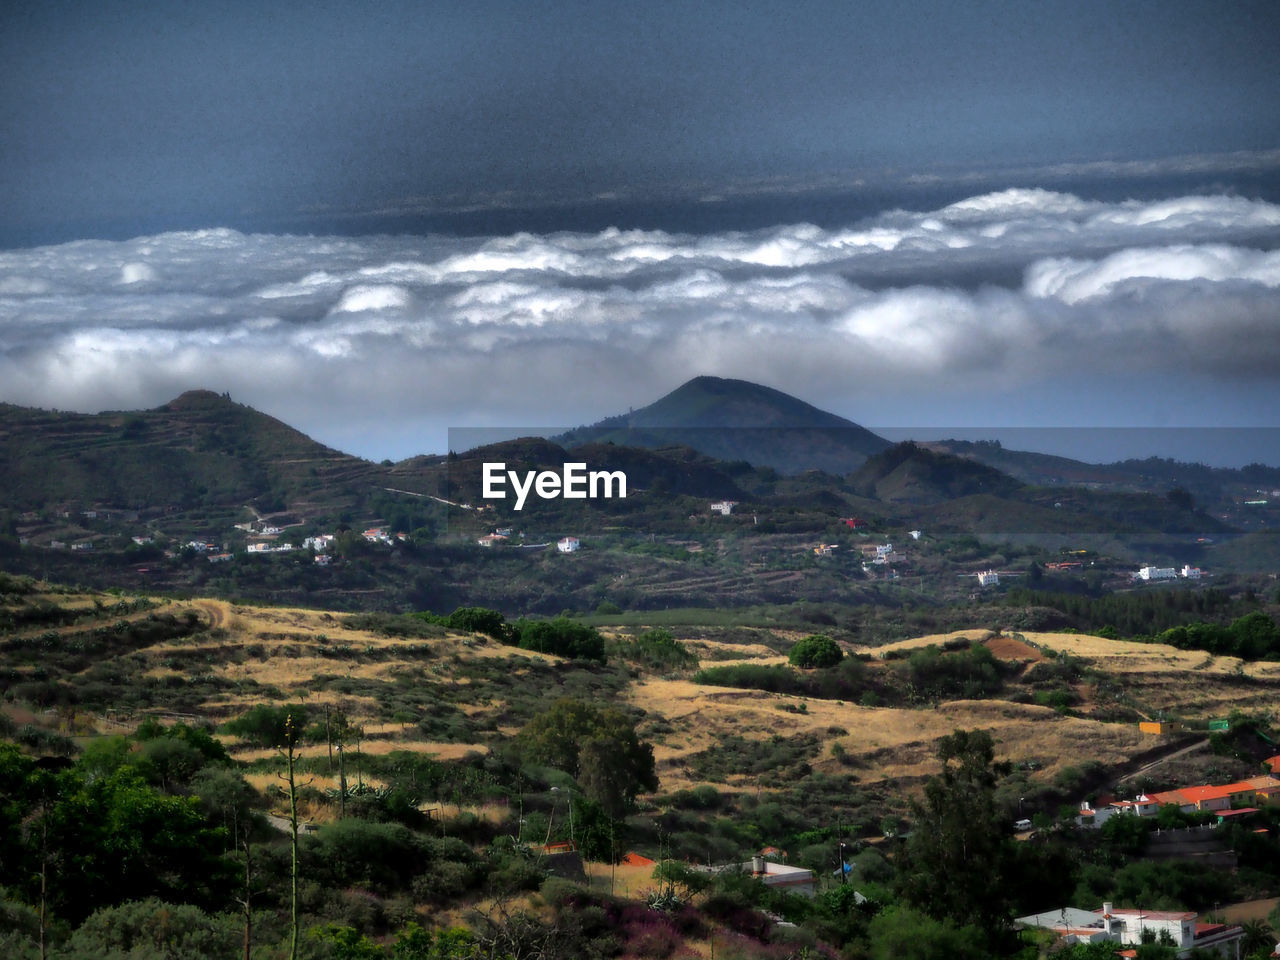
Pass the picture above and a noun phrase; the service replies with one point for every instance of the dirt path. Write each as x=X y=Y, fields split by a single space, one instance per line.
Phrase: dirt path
x=217 y=615
x=1180 y=752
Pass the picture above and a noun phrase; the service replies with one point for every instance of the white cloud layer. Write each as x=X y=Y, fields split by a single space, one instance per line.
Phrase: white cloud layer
x=1023 y=304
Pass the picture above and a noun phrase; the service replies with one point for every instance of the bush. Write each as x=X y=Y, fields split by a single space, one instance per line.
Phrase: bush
x=658 y=650
x=153 y=928
x=817 y=650
x=561 y=636
x=478 y=620
x=264 y=725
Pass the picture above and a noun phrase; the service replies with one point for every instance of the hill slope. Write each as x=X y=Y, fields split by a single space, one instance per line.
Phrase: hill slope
x=201 y=449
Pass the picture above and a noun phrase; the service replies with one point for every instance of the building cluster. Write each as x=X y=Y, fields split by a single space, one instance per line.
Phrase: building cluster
x=1149 y=573
x=1182 y=930
x=1228 y=800
x=501 y=535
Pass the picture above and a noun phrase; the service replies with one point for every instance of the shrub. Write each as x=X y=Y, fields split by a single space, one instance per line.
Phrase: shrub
x=817 y=650
x=561 y=636
x=264 y=725
x=658 y=650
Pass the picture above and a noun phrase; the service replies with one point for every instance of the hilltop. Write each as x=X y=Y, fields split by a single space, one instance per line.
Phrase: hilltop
x=737 y=420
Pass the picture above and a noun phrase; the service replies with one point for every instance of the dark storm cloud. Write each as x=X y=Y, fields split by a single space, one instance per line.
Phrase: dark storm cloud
x=379 y=344
x=128 y=112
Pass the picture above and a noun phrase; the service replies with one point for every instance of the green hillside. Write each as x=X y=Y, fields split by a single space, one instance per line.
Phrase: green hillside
x=201 y=449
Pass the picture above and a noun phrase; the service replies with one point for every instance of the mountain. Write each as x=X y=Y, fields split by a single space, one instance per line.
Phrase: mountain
x=736 y=420
x=199 y=450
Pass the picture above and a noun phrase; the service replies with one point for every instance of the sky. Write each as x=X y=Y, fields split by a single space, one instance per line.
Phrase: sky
x=378 y=221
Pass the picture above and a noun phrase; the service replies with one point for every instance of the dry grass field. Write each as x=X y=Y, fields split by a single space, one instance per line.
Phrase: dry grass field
x=249 y=650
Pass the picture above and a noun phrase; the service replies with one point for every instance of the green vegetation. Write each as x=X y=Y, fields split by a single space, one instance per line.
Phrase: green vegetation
x=1254 y=636
x=656 y=649
x=561 y=636
x=817 y=650
x=597 y=747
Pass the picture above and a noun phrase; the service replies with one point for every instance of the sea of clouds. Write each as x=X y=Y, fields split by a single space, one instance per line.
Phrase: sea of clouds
x=1023 y=304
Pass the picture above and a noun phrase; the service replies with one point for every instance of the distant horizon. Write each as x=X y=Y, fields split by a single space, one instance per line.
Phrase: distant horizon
x=380 y=223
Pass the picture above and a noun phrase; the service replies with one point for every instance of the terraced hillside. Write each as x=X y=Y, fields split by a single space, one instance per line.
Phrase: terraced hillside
x=89 y=663
x=200 y=450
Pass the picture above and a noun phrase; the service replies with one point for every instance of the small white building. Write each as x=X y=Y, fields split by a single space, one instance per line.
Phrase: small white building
x=724 y=507
x=780 y=876
x=988 y=578
x=567 y=544
x=1191 y=573
x=1129 y=926
x=490 y=539
x=916 y=534
x=1156 y=573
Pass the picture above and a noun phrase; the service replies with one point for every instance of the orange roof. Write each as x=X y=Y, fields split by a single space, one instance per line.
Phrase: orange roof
x=1170 y=796
x=1265 y=782
x=1200 y=794
x=1240 y=786
x=633 y=859
x=1273 y=763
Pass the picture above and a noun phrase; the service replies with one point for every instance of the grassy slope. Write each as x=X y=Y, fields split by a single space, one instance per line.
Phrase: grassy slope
x=241 y=656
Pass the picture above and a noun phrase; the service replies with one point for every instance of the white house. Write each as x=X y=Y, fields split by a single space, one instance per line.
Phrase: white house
x=567 y=544
x=988 y=578
x=724 y=507
x=489 y=539
x=1156 y=573
x=1130 y=925
x=779 y=876
x=1190 y=573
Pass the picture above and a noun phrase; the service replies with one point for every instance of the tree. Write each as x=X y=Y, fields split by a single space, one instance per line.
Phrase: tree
x=1258 y=938
x=561 y=636
x=901 y=933
x=817 y=650
x=958 y=853
x=152 y=928
x=597 y=747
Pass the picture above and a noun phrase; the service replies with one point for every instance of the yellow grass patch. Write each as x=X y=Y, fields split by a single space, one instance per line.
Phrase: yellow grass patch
x=936 y=639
